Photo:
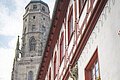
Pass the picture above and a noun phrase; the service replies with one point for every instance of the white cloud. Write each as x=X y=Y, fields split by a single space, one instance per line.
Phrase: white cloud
x=12 y=43
x=6 y=60
x=11 y=24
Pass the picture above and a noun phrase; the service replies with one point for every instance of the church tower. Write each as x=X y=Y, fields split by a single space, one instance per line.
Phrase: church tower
x=36 y=25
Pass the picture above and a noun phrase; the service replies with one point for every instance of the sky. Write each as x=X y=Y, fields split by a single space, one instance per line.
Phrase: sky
x=11 y=24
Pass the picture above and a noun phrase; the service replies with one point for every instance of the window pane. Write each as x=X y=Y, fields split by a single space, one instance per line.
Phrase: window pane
x=96 y=65
x=95 y=71
x=32 y=43
x=92 y=71
x=34 y=6
x=71 y=25
x=30 y=75
x=97 y=74
x=43 y=8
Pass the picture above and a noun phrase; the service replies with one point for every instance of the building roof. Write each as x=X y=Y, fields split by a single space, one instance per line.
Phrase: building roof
x=57 y=19
x=37 y=1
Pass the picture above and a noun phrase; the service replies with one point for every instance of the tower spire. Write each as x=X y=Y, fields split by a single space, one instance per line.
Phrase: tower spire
x=17 y=45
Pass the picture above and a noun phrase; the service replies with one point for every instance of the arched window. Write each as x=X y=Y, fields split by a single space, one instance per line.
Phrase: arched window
x=43 y=8
x=32 y=43
x=30 y=75
x=24 y=31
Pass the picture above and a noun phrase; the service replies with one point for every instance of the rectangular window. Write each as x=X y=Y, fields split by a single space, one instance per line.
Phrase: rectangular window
x=95 y=71
x=43 y=8
x=92 y=71
x=61 y=47
x=33 y=17
x=43 y=18
x=34 y=6
x=70 y=23
x=33 y=28
x=25 y=20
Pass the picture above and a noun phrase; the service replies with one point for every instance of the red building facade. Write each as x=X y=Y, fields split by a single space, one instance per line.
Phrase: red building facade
x=72 y=24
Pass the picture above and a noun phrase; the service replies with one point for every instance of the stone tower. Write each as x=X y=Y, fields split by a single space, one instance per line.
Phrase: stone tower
x=36 y=25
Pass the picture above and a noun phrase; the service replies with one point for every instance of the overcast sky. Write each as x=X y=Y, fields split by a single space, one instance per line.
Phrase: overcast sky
x=11 y=24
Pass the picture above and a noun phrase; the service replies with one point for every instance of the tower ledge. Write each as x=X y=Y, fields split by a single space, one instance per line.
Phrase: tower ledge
x=37 y=1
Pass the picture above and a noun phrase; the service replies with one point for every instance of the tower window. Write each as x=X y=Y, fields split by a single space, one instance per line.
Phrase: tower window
x=33 y=17
x=92 y=71
x=43 y=18
x=43 y=8
x=34 y=6
x=24 y=30
x=32 y=43
x=25 y=20
x=43 y=29
x=33 y=27
x=30 y=75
